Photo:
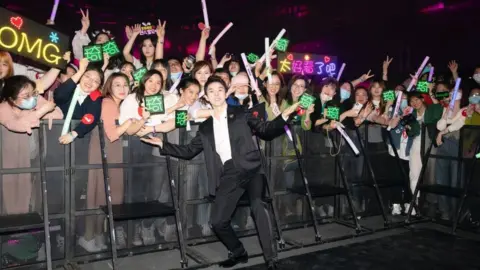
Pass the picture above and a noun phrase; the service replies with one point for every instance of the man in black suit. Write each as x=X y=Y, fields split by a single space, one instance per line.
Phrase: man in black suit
x=234 y=162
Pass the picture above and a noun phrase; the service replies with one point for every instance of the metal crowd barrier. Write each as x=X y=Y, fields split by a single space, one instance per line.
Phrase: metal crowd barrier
x=147 y=177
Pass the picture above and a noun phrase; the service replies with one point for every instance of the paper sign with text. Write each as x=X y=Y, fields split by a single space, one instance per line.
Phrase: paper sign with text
x=154 y=104
x=22 y=36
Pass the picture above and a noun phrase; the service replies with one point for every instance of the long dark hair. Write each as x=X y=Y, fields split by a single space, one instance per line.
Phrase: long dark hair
x=143 y=59
x=164 y=63
x=140 y=90
x=282 y=92
x=382 y=102
x=12 y=87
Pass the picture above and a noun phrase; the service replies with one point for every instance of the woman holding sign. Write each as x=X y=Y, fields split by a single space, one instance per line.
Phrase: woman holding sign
x=21 y=109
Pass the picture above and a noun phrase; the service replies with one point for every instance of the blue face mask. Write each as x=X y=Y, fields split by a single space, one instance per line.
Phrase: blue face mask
x=175 y=76
x=28 y=104
x=403 y=104
x=474 y=100
x=344 y=94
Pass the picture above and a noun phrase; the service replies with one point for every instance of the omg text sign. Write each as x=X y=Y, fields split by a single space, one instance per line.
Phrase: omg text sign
x=25 y=37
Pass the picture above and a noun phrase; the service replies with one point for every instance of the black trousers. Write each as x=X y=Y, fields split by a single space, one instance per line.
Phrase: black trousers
x=227 y=196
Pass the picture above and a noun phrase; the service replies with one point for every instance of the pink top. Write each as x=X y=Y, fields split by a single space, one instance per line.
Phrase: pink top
x=18 y=120
x=110 y=114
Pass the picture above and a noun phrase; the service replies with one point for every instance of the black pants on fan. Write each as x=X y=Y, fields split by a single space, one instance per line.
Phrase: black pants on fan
x=227 y=196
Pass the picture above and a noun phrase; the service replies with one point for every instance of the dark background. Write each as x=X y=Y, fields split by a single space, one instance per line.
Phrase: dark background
x=360 y=32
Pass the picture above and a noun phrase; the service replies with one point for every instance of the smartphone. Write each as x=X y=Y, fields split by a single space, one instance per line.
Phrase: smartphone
x=357 y=107
x=190 y=61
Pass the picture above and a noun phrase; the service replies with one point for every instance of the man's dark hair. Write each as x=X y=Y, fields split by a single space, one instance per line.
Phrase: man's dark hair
x=215 y=79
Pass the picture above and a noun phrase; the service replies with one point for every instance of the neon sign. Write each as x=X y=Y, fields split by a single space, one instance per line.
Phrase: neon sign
x=282 y=45
x=307 y=64
x=27 y=38
x=147 y=29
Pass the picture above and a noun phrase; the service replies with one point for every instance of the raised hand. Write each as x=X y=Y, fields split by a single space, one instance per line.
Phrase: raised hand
x=67 y=56
x=85 y=21
x=161 y=29
x=453 y=66
x=128 y=31
x=205 y=33
x=366 y=76
x=136 y=29
x=82 y=66
x=386 y=63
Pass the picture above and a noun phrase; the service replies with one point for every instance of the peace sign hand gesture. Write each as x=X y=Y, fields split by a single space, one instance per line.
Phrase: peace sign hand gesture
x=161 y=29
x=367 y=76
x=85 y=21
x=386 y=64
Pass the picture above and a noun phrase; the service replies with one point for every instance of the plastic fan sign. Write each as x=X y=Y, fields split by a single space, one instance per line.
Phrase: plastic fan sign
x=181 y=119
x=154 y=104
x=138 y=74
x=93 y=53
x=306 y=100
x=389 y=95
x=422 y=86
x=333 y=113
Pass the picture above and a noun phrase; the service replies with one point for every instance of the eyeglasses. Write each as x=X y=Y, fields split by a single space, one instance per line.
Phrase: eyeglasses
x=88 y=77
x=298 y=86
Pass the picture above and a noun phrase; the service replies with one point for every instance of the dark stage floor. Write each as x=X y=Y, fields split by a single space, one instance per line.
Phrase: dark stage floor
x=416 y=249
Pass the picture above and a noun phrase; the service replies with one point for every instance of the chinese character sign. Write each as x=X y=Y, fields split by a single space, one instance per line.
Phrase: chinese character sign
x=154 y=104
x=333 y=113
x=306 y=100
x=22 y=36
x=93 y=53
x=111 y=48
x=252 y=58
x=422 y=87
x=138 y=74
x=282 y=44
x=307 y=64
x=389 y=95
x=181 y=119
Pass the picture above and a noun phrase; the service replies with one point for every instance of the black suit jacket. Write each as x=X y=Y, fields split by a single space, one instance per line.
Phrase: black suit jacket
x=242 y=125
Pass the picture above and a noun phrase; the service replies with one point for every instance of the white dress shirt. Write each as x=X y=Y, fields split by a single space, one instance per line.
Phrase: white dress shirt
x=222 y=138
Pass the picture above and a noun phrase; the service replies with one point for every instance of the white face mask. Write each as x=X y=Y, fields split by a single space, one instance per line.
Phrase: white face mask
x=459 y=96
x=233 y=73
x=325 y=97
x=241 y=96
x=476 y=77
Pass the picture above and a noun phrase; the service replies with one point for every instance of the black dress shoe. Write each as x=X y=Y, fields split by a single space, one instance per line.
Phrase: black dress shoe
x=272 y=265
x=234 y=260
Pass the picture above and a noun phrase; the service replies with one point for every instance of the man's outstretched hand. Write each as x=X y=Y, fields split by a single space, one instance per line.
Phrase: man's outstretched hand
x=153 y=140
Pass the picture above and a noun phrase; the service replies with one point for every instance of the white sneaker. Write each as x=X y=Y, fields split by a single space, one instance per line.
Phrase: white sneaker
x=148 y=235
x=137 y=240
x=60 y=243
x=330 y=211
x=88 y=245
x=100 y=242
x=321 y=211
x=41 y=255
x=121 y=237
x=407 y=206
x=206 y=231
x=250 y=224
x=170 y=233
x=396 y=210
